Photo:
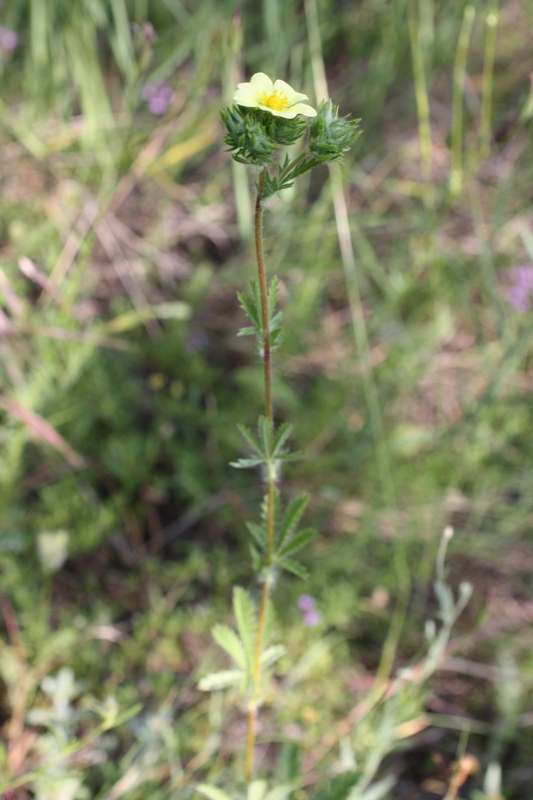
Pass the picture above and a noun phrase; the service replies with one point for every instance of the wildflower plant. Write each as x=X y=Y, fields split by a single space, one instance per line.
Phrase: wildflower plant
x=267 y=116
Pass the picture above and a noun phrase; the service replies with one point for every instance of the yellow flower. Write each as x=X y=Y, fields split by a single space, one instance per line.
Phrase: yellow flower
x=278 y=98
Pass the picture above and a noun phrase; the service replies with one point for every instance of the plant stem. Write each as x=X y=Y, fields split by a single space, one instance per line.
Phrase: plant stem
x=264 y=297
x=271 y=484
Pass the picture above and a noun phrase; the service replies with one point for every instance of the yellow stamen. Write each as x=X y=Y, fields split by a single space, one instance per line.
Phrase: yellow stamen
x=277 y=101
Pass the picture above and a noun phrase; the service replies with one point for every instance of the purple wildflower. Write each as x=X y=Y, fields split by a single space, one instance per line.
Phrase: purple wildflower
x=306 y=602
x=312 y=618
x=310 y=614
x=158 y=96
x=8 y=39
x=520 y=290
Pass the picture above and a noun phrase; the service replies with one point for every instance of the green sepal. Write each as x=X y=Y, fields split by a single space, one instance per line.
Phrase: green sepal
x=330 y=135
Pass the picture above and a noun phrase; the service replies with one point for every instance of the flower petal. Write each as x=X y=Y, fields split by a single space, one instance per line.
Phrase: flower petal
x=303 y=108
x=247 y=95
x=292 y=111
x=262 y=83
x=292 y=96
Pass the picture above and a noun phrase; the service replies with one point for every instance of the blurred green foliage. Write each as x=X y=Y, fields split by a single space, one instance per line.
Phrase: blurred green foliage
x=148 y=395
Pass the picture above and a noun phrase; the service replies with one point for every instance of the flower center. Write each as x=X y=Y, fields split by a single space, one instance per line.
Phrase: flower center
x=277 y=101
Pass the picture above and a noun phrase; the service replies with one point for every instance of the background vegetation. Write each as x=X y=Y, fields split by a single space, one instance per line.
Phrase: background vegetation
x=406 y=365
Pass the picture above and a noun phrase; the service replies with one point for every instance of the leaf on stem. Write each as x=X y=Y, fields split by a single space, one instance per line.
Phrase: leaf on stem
x=246 y=622
x=252 y=440
x=259 y=533
x=281 y=436
x=291 y=518
x=292 y=566
x=299 y=541
x=221 y=680
x=272 y=654
x=226 y=638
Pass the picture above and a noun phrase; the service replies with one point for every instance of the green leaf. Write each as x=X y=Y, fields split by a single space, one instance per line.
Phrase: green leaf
x=247 y=463
x=212 y=792
x=252 y=440
x=258 y=533
x=292 y=566
x=248 y=332
x=226 y=638
x=257 y=790
x=273 y=291
x=274 y=322
x=246 y=624
x=266 y=434
x=296 y=456
x=281 y=436
x=221 y=680
x=249 y=306
x=272 y=654
x=299 y=541
x=258 y=561
x=293 y=514
x=275 y=336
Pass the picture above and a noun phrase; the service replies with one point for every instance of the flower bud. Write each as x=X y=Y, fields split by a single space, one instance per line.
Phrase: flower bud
x=330 y=135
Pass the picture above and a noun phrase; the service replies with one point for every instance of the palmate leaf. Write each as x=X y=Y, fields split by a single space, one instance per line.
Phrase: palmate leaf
x=247 y=463
x=266 y=435
x=268 y=443
x=272 y=654
x=280 y=437
x=248 y=332
x=275 y=321
x=259 y=534
x=250 y=308
x=292 y=566
x=258 y=561
x=275 y=335
x=292 y=516
x=273 y=291
x=296 y=543
x=229 y=641
x=252 y=440
x=244 y=611
x=222 y=680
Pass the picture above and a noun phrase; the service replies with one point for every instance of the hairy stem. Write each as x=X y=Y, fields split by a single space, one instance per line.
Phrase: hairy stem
x=264 y=297
x=271 y=483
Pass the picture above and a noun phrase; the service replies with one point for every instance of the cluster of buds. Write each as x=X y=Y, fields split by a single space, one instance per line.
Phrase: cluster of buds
x=268 y=115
